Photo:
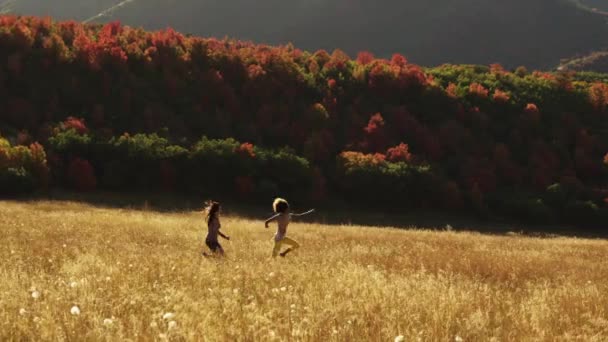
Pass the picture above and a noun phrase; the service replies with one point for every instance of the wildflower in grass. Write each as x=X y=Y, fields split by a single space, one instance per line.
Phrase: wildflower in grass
x=35 y=294
x=283 y=289
x=75 y=310
x=108 y=322
x=73 y=284
x=168 y=316
x=37 y=319
x=399 y=338
x=458 y=339
x=22 y=311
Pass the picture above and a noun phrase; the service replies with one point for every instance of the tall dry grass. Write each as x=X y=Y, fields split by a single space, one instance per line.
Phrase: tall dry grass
x=138 y=275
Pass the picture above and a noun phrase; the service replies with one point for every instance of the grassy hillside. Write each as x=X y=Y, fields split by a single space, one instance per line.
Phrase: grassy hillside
x=124 y=270
x=535 y=34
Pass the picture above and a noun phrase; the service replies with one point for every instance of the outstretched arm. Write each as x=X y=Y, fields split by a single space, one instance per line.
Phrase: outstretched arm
x=304 y=213
x=224 y=236
x=274 y=217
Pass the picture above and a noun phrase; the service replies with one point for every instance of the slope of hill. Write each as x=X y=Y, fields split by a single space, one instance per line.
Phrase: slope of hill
x=519 y=32
x=521 y=144
x=76 y=272
x=597 y=6
x=594 y=62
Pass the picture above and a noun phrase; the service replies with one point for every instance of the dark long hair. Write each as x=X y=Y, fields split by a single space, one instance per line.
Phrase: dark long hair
x=211 y=207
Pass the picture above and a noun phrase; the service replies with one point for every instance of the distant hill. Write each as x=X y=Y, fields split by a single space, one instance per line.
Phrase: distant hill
x=595 y=5
x=517 y=32
x=596 y=61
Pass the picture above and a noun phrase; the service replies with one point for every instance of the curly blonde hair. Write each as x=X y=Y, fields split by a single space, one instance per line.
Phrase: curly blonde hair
x=280 y=205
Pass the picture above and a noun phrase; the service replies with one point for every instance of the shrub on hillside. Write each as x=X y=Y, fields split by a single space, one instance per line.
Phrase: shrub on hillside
x=220 y=164
x=268 y=189
x=535 y=210
x=146 y=148
x=582 y=213
x=556 y=196
x=522 y=206
x=368 y=177
x=22 y=169
x=15 y=181
x=215 y=163
x=70 y=143
x=145 y=161
x=292 y=173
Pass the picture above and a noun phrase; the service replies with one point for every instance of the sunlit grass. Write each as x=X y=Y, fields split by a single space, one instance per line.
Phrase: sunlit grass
x=75 y=272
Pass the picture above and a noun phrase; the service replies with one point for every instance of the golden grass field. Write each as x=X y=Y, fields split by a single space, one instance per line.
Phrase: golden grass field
x=111 y=274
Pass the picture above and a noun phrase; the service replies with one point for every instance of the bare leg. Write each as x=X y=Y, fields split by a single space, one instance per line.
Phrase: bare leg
x=293 y=243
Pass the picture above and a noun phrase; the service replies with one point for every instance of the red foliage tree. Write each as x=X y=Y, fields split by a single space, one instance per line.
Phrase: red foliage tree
x=398 y=60
x=598 y=95
x=246 y=150
x=375 y=132
x=399 y=153
x=331 y=83
x=478 y=90
x=365 y=57
x=500 y=96
x=81 y=175
x=76 y=124
x=497 y=69
x=451 y=90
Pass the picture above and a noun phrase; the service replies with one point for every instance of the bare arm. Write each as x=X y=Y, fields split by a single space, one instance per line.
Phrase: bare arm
x=224 y=236
x=274 y=217
x=305 y=213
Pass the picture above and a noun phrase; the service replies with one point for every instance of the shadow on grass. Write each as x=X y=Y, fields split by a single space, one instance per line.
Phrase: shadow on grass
x=335 y=212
